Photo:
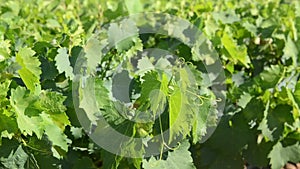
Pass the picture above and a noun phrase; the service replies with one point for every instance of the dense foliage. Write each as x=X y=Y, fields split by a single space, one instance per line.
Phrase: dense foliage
x=257 y=42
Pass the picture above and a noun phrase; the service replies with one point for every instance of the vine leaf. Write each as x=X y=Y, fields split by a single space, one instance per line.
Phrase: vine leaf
x=297 y=93
x=226 y=17
x=158 y=98
x=15 y=159
x=88 y=100
x=20 y=100
x=63 y=63
x=150 y=83
x=54 y=133
x=237 y=53
x=52 y=102
x=134 y=6
x=93 y=53
x=42 y=121
x=181 y=115
x=144 y=65
x=30 y=71
x=244 y=100
x=269 y=77
x=8 y=123
x=200 y=122
x=290 y=51
x=281 y=155
x=274 y=121
x=178 y=159
x=120 y=86
x=122 y=36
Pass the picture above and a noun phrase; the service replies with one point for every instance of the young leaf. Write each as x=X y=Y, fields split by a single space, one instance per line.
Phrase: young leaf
x=93 y=53
x=30 y=71
x=237 y=52
x=63 y=63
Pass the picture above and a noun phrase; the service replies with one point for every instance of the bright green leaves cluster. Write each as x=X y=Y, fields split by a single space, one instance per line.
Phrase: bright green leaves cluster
x=257 y=41
x=41 y=116
x=150 y=94
x=260 y=52
x=8 y=124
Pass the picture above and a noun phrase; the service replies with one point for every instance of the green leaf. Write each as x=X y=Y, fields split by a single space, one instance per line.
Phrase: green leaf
x=144 y=65
x=280 y=155
x=15 y=159
x=244 y=100
x=8 y=124
x=4 y=87
x=226 y=17
x=30 y=71
x=211 y=26
x=88 y=100
x=274 y=121
x=150 y=83
x=110 y=160
x=236 y=52
x=218 y=151
x=123 y=35
x=52 y=102
x=63 y=63
x=200 y=122
x=175 y=109
x=52 y=125
x=93 y=53
x=297 y=93
x=157 y=97
x=290 y=51
x=256 y=154
x=134 y=6
x=181 y=115
x=76 y=132
x=55 y=134
x=120 y=86
x=20 y=101
x=250 y=27
x=102 y=94
x=269 y=77
x=178 y=159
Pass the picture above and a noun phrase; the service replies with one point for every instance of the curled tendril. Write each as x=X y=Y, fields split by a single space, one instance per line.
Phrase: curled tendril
x=218 y=99
x=200 y=97
x=189 y=63
x=174 y=148
x=180 y=61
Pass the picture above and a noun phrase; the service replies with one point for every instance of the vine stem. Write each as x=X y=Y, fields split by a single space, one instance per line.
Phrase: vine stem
x=162 y=137
x=33 y=148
